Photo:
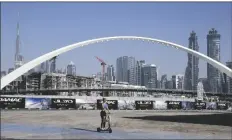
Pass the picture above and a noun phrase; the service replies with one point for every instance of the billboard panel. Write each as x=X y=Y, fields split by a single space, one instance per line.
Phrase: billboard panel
x=199 y=105
x=174 y=104
x=143 y=105
x=38 y=103
x=187 y=105
x=211 y=105
x=12 y=102
x=64 y=103
x=222 y=106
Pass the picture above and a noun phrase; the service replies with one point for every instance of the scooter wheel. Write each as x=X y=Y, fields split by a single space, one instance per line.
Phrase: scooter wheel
x=98 y=129
x=110 y=130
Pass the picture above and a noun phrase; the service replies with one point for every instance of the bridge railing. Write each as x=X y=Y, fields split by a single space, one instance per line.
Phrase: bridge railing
x=88 y=88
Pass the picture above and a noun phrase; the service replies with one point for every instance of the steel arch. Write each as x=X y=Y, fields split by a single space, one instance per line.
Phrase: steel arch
x=35 y=62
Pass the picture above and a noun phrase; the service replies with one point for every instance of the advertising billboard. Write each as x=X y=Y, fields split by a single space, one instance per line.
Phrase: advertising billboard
x=38 y=103
x=112 y=104
x=174 y=104
x=222 y=106
x=199 y=105
x=12 y=102
x=185 y=105
x=64 y=103
x=211 y=105
x=144 y=105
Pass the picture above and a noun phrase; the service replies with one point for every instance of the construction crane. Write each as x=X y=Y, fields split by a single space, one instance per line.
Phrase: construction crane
x=103 y=64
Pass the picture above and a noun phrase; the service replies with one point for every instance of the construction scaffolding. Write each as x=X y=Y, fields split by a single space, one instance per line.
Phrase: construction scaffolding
x=53 y=81
x=33 y=81
x=73 y=81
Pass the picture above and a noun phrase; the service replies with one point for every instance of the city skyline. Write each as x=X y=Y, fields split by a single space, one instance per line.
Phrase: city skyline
x=89 y=66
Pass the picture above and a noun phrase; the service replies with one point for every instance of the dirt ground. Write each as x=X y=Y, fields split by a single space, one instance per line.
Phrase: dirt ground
x=200 y=122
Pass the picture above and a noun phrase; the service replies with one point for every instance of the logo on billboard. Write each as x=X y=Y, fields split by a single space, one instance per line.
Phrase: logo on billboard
x=10 y=99
x=109 y=102
x=201 y=104
x=66 y=101
x=221 y=104
x=144 y=102
x=174 y=103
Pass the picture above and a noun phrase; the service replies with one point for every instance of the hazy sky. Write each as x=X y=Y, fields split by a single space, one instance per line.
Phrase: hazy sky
x=48 y=26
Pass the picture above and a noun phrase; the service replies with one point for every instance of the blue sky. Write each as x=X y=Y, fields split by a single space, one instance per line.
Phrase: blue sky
x=48 y=26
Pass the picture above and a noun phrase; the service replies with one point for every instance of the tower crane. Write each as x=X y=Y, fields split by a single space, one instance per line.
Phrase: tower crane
x=103 y=64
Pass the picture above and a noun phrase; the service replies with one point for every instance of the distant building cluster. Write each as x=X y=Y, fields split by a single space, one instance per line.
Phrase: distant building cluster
x=129 y=72
x=216 y=81
x=137 y=72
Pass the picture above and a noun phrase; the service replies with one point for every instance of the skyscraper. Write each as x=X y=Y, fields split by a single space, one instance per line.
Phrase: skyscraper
x=173 y=81
x=47 y=66
x=213 y=51
x=53 y=65
x=169 y=84
x=110 y=73
x=18 y=56
x=122 y=69
x=71 y=69
x=150 y=76
x=192 y=69
x=99 y=75
x=43 y=67
x=139 y=72
x=179 y=81
x=131 y=71
x=229 y=79
x=205 y=83
x=163 y=82
x=3 y=73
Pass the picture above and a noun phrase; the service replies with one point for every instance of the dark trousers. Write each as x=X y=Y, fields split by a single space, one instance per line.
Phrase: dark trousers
x=103 y=117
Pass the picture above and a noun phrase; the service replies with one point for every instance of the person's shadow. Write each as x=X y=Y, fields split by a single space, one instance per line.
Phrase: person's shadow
x=223 y=119
x=82 y=129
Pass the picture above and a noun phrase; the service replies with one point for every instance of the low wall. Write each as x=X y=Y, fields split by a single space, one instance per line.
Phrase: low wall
x=91 y=102
x=99 y=97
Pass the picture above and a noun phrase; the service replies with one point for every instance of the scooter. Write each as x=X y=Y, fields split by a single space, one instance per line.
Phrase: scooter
x=108 y=120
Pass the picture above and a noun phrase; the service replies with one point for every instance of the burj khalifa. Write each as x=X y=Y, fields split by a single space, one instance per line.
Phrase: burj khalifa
x=18 y=56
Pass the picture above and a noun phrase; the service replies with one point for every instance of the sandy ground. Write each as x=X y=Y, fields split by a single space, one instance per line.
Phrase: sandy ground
x=218 y=124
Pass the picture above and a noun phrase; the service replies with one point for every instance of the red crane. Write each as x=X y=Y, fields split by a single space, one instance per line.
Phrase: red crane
x=103 y=64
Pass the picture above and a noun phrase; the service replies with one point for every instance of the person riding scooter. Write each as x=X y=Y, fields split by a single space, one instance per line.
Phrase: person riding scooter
x=104 y=112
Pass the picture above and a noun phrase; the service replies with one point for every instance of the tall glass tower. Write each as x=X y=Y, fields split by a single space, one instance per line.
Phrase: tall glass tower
x=213 y=51
x=132 y=70
x=110 y=73
x=150 y=76
x=192 y=69
x=71 y=69
x=122 y=72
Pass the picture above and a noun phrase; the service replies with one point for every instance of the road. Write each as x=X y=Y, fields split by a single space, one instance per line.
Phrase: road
x=130 y=124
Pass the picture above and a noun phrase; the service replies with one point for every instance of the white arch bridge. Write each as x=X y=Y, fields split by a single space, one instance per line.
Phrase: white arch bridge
x=33 y=63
